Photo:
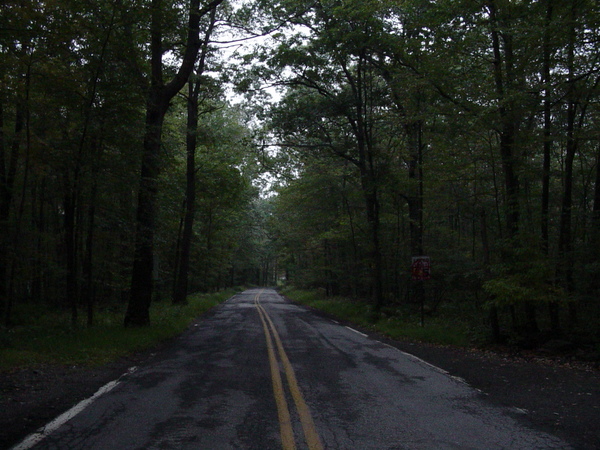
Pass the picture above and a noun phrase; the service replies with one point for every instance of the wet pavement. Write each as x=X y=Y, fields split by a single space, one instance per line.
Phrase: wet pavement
x=217 y=388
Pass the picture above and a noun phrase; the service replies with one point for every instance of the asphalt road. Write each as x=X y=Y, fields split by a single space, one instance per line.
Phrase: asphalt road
x=261 y=373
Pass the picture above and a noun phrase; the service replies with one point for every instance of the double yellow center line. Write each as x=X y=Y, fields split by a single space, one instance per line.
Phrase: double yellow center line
x=285 y=422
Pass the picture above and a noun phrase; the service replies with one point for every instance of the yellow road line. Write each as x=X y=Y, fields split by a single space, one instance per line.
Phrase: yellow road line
x=283 y=413
x=310 y=432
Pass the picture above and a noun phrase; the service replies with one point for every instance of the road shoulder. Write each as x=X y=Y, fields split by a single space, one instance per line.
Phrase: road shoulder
x=552 y=396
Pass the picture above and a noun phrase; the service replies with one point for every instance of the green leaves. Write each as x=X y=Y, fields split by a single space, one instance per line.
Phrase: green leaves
x=524 y=275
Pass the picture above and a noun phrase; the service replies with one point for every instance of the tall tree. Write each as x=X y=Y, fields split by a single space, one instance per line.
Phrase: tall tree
x=159 y=96
x=509 y=83
x=348 y=95
x=195 y=84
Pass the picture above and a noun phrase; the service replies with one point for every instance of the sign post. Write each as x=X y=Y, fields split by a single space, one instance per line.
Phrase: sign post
x=420 y=270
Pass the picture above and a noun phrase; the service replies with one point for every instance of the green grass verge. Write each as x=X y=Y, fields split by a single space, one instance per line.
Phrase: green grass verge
x=48 y=338
x=396 y=324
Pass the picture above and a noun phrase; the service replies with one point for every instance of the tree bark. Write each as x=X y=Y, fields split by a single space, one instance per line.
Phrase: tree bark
x=72 y=289
x=368 y=181
x=159 y=96
x=181 y=286
x=595 y=223
x=565 y=239
x=547 y=130
x=596 y=207
x=8 y=171
x=138 y=311
x=87 y=268
x=182 y=275
x=372 y=204
x=415 y=200
x=3 y=216
x=485 y=243
x=413 y=130
x=507 y=123
x=505 y=81
x=366 y=166
x=553 y=307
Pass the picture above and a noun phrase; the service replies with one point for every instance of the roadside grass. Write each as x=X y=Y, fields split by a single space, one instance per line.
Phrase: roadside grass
x=400 y=324
x=48 y=337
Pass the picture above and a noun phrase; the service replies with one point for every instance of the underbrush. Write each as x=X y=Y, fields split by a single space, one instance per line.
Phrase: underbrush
x=47 y=337
x=397 y=323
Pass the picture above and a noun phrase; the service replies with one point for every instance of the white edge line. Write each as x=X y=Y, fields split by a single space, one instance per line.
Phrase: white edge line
x=358 y=332
x=459 y=379
x=416 y=358
x=413 y=357
x=52 y=426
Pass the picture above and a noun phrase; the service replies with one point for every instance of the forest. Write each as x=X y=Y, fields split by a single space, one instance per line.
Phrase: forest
x=154 y=148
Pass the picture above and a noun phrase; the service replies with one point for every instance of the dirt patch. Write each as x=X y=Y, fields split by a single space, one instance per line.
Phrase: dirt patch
x=554 y=395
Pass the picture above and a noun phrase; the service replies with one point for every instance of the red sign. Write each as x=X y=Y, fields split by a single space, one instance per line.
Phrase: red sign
x=421 y=268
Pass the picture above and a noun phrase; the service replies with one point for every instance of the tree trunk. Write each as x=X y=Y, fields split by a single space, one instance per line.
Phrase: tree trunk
x=413 y=130
x=595 y=224
x=177 y=257
x=565 y=240
x=553 y=307
x=504 y=78
x=596 y=207
x=369 y=190
x=3 y=220
x=368 y=176
x=138 y=310
x=415 y=199
x=72 y=290
x=3 y=217
x=181 y=287
x=493 y=315
x=547 y=130
x=8 y=171
x=7 y=180
x=355 y=260
x=182 y=275
x=372 y=203
x=88 y=261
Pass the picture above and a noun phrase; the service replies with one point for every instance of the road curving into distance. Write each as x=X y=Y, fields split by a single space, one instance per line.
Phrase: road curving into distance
x=261 y=373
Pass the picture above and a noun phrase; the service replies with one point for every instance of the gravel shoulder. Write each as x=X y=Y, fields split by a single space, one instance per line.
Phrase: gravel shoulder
x=556 y=394
x=552 y=394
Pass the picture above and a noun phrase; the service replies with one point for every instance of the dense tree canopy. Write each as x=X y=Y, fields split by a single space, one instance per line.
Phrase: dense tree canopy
x=466 y=131
x=469 y=129
x=76 y=80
